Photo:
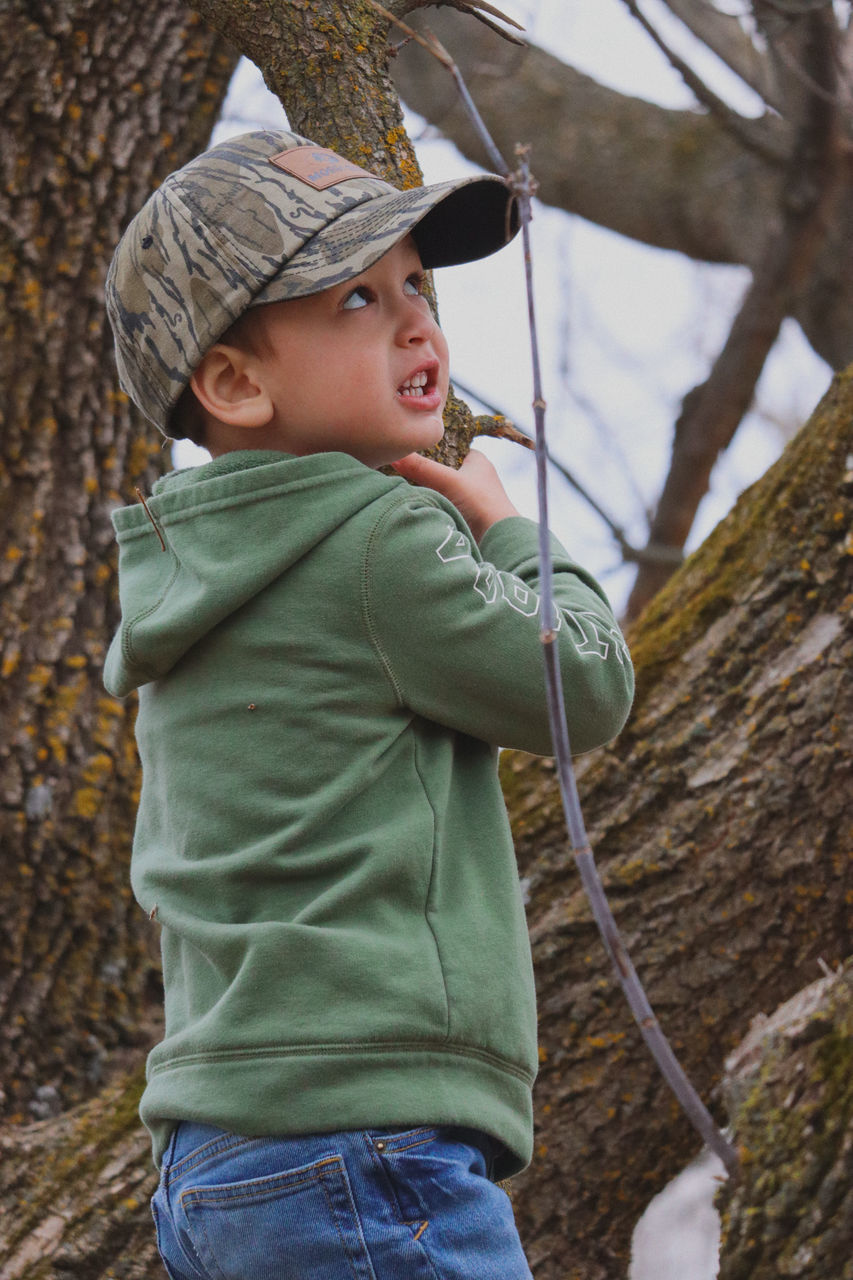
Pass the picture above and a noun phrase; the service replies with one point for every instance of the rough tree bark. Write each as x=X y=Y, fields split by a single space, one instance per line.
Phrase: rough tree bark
x=99 y=101
x=791 y=1212
x=718 y=815
x=722 y=824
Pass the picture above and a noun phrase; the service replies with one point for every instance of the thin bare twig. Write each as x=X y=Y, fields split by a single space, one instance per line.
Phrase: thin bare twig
x=140 y=495
x=433 y=45
x=475 y=8
x=748 y=132
x=723 y=35
x=650 y=554
x=522 y=184
x=469 y=6
x=411 y=33
x=650 y=1029
x=493 y=26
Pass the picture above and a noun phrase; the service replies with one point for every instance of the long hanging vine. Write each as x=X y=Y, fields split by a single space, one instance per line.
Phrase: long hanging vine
x=523 y=186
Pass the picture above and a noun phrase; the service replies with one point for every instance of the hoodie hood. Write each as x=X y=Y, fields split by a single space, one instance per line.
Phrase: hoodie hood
x=230 y=528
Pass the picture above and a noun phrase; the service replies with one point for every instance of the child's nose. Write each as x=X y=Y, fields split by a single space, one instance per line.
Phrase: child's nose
x=416 y=322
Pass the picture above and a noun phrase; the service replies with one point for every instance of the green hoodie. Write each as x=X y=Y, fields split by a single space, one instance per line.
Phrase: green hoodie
x=325 y=661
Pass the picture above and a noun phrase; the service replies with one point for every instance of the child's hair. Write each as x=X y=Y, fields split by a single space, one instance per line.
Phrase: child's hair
x=188 y=421
x=262 y=218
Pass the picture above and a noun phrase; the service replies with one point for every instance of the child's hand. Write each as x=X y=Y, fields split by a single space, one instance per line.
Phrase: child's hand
x=475 y=489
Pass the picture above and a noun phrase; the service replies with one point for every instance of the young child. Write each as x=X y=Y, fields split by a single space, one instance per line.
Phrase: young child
x=327 y=659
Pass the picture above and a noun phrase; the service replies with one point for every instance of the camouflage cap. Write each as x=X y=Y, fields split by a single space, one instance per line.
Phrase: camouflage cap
x=261 y=218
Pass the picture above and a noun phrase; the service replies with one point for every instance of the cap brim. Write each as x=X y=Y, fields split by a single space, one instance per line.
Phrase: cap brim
x=451 y=223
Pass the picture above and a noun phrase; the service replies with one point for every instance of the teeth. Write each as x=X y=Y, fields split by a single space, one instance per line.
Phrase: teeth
x=414 y=386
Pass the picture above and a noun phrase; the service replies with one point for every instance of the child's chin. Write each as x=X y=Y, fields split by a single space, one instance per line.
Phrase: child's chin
x=437 y=432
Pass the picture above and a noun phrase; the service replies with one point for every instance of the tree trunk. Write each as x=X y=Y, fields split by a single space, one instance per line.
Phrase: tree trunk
x=99 y=101
x=789 y=1092
x=719 y=818
x=327 y=61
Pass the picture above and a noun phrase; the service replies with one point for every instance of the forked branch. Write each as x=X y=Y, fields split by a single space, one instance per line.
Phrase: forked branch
x=750 y=133
x=478 y=9
x=723 y=34
x=712 y=412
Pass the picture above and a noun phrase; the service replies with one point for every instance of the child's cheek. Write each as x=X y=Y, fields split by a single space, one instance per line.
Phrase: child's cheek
x=443 y=352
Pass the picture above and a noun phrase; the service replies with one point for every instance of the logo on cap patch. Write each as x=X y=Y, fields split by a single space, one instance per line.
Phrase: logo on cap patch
x=317 y=166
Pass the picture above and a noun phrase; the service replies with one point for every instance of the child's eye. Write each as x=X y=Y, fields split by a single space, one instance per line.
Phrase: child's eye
x=414 y=284
x=359 y=298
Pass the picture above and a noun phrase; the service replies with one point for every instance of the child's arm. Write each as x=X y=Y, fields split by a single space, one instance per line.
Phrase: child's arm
x=456 y=626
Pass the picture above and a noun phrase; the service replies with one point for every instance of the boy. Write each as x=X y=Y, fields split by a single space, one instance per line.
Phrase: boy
x=326 y=660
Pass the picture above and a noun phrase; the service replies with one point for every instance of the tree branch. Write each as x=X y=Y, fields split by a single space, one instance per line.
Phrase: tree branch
x=476 y=8
x=670 y=178
x=499 y=426
x=748 y=132
x=712 y=412
x=783 y=29
x=724 y=36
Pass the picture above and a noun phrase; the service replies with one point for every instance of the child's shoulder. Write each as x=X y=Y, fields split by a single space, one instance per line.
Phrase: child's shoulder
x=410 y=515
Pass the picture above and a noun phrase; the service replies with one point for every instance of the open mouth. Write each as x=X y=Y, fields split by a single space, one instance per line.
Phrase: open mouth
x=420 y=383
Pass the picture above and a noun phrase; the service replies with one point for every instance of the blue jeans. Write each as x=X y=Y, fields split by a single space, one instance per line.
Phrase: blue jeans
x=363 y=1205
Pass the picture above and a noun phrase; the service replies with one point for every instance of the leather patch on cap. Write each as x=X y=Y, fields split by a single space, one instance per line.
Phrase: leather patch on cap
x=317 y=166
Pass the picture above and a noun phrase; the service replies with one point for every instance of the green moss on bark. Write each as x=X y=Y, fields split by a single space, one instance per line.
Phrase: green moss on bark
x=791 y=1211
x=793 y=511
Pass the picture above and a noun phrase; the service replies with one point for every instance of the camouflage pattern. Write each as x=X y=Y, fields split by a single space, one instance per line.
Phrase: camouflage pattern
x=257 y=220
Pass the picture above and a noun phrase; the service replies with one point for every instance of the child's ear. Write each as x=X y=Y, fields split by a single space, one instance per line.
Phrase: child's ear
x=228 y=386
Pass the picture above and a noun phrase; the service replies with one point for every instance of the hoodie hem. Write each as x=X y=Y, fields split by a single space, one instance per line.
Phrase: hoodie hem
x=326 y=1088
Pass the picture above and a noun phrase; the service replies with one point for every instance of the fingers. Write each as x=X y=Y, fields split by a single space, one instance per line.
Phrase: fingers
x=427 y=472
x=475 y=489
x=435 y=475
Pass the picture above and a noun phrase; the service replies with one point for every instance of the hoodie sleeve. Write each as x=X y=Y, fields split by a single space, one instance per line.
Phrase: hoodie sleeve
x=456 y=628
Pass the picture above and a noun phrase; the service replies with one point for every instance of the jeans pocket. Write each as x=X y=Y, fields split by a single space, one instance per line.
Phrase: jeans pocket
x=461 y=1220
x=285 y=1226
x=402 y=1157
